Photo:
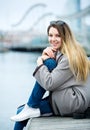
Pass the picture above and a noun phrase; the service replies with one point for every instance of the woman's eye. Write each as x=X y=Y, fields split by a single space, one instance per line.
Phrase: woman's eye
x=57 y=35
x=50 y=35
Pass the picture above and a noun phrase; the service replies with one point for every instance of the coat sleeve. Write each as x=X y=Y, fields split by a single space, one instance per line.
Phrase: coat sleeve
x=53 y=80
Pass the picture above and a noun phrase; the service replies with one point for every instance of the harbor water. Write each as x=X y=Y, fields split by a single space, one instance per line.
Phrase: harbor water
x=16 y=83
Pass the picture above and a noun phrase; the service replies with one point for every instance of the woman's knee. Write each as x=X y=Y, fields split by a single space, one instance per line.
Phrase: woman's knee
x=50 y=63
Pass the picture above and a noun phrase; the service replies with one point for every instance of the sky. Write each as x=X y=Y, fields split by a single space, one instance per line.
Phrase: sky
x=12 y=11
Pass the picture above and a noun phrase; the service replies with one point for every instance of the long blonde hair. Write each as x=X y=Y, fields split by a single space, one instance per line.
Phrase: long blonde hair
x=78 y=60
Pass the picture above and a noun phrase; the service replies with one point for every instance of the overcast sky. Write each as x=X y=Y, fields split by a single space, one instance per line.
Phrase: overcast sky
x=11 y=11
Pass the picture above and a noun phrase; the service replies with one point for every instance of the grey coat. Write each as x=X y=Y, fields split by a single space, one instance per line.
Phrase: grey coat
x=68 y=95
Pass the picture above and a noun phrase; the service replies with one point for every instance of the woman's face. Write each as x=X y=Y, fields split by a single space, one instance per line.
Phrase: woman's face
x=54 y=38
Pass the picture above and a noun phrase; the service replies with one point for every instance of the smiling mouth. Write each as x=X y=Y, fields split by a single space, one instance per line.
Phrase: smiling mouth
x=55 y=45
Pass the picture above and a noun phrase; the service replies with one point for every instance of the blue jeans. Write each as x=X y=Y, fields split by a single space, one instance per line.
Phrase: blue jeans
x=35 y=99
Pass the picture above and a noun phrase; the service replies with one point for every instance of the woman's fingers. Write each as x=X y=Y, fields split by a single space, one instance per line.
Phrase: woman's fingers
x=49 y=51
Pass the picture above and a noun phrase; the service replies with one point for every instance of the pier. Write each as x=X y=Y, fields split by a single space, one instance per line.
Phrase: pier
x=58 y=123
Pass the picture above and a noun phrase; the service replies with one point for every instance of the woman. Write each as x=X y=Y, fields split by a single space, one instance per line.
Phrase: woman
x=63 y=69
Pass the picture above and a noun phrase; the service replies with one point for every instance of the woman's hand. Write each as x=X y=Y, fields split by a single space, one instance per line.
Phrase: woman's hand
x=39 y=61
x=49 y=51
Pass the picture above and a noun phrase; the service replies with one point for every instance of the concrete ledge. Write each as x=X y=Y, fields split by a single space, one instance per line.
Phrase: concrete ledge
x=58 y=123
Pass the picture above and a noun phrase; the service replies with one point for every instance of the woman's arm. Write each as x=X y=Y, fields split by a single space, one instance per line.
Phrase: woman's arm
x=52 y=80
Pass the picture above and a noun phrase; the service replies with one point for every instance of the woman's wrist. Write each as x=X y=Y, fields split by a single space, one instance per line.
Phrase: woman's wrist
x=39 y=61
